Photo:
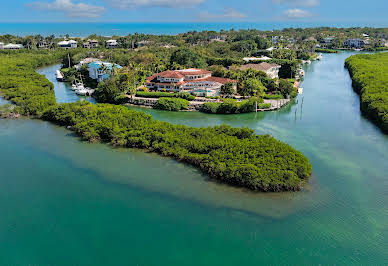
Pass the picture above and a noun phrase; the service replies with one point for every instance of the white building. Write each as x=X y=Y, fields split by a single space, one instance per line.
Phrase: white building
x=272 y=70
x=196 y=81
x=12 y=46
x=1 y=45
x=90 y=44
x=111 y=44
x=354 y=43
x=101 y=70
x=67 y=44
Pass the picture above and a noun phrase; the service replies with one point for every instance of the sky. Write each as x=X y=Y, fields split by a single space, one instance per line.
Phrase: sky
x=325 y=11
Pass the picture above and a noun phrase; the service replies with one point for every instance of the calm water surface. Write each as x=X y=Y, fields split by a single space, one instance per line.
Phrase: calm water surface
x=65 y=202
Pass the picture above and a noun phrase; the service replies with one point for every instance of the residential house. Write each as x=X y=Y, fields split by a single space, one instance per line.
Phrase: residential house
x=1 y=45
x=110 y=44
x=196 y=81
x=216 y=38
x=276 y=39
x=90 y=44
x=67 y=44
x=42 y=44
x=101 y=70
x=354 y=43
x=12 y=46
x=272 y=70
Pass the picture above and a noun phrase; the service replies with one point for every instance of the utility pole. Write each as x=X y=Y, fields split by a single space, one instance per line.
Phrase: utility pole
x=68 y=57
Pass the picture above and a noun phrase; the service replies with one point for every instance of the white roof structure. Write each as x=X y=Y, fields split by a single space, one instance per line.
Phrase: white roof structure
x=13 y=46
x=270 y=49
x=111 y=41
x=264 y=58
x=67 y=42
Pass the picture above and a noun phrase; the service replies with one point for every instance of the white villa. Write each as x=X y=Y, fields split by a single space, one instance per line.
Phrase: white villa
x=101 y=70
x=112 y=44
x=272 y=70
x=67 y=44
x=193 y=80
x=354 y=43
x=90 y=44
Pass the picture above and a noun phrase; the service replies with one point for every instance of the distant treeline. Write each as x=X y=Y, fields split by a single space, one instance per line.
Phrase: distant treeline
x=370 y=79
x=232 y=155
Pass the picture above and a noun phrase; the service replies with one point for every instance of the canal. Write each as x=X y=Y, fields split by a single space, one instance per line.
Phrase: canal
x=66 y=202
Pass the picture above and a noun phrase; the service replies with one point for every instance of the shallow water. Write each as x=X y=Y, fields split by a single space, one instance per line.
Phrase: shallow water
x=63 y=201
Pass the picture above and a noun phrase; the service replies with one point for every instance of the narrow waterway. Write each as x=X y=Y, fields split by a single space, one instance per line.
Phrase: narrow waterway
x=66 y=202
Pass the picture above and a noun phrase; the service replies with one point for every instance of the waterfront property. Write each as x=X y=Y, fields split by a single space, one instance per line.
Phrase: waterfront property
x=354 y=43
x=43 y=45
x=196 y=81
x=90 y=44
x=101 y=70
x=272 y=70
x=67 y=44
x=110 y=44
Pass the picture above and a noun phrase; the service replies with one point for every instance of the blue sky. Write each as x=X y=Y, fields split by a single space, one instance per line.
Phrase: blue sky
x=325 y=11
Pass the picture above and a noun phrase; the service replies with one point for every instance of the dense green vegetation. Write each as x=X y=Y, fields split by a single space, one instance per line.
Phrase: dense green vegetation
x=19 y=82
x=370 y=79
x=231 y=106
x=231 y=155
x=159 y=94
x=171 y=104
x=325 y=50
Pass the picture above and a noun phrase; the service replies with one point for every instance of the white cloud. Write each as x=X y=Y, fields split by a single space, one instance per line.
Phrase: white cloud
x=75 y=10
x=229 y=13
x=129 y=4
x=300 y=3
x=296 y=13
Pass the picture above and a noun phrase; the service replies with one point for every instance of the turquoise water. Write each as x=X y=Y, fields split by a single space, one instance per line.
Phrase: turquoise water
x=63 y=91
x=66 y=202
x=123 y=29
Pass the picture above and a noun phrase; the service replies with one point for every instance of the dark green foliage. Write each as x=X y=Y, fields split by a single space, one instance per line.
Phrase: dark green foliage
x=20 y=84
x=227 y=89
x=159 y=94
x=264 y=106
x=273 y=96
x=171 y=104
x=324 y=50
x=231 y=106
x=231 y=155
x=110 y=91
x=370 y=80
x=188 y=58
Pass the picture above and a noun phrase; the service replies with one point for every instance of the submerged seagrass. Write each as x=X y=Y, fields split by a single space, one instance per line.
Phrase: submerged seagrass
x=231 y=155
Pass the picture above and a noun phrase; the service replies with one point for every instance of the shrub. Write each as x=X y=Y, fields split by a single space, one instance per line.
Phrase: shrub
x=171 y=104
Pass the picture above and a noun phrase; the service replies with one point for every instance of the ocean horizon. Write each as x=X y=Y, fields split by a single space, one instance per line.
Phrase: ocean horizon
x=82 y=29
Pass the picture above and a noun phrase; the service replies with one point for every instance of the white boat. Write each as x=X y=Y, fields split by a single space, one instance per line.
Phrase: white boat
x=85 y=91
x=319 y=57
x=300 y=90
x=59 y=75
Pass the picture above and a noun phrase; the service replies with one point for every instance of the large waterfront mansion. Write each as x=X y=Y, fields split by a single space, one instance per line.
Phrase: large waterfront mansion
x=195 y=81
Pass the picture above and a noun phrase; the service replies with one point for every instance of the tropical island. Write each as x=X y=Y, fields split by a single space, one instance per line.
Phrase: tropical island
x=235 y=156
x=223 y=72
x=370 y=79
